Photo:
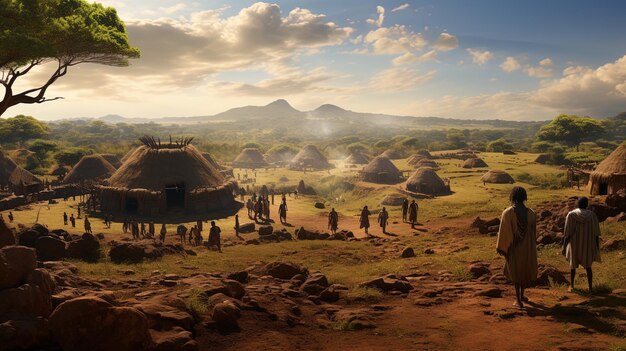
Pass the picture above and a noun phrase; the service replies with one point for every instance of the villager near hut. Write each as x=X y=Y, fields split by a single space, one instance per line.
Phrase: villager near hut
x=160 y=177
x=310 y=158
x=474 y=162
x=497 y=176
x=381 y=170
x=610 y=175
x=90 y=168
x=113 y=160
x=17 y=179
x=357 y=158
x=426 y=181
x=250 y=158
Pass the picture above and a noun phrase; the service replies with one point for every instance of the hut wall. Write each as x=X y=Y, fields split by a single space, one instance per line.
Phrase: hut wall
x=614 y=182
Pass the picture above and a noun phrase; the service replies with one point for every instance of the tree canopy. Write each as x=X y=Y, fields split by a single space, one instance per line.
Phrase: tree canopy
x=571 y=130
x=63 y=32
x=21 y=128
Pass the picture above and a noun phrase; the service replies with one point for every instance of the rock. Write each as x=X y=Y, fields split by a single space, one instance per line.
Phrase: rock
x=246 y=228
x=165 y=312
x=614 y=244
x=315 y=284
x=549 y=275
x=24 y=334
x=619 y=218
x=175 y=339
x=16 y=264
x=429 y=251
x=87 y=248
x=617 y=200
x=477 y=270
x=284 y=235
x=407 y=252
x=545 y=214
x=50 y=248
x=603 y=211
x=235 y=289
x=90 y=323
x=241 y=276
x=266 y=230
x=6 y=235
x=284 y=270
x=226 y=314
x=330 y=294
x=393 y=200
x=42 y=230
x=253 y=242
x=28 y=301
x=319 y=205
x=489 y=292
x=28 y=238
x=139 y=250
x=42 y=278
x=389 y=283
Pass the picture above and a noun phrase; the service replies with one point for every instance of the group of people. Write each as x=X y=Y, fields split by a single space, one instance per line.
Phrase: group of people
x=364 y=219
x=195 y=234
x=259 y=208
x=409 y=213
x=517 y=242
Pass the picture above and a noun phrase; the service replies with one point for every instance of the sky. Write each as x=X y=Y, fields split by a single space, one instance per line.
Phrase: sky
x=479 y=59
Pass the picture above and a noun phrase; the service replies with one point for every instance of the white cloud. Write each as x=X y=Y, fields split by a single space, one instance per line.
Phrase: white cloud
x=400 y=8
x=394 y=40
x=173 y=9
x=480 y=57
x=409 y=58
x=546 y=62
x=445 y=42
x=399 y=79
x=378 y=22
x=510 y=64
x=538 y=72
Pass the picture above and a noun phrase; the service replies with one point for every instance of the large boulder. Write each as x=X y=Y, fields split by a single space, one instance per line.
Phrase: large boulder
x=603 y=211
x=614 y=244
x=617 y=200
x=28 y=238
x=87 y=248
x=16 y=264
x=50 y=248
x=284 y=270
x=91 y=323
x=315 y=284
x=549 y=276
x=389 y=283
x=28 y=301
x=226 y=314
x=407 y=252
x=266 y=230
x=6 y=235
x=478 y=269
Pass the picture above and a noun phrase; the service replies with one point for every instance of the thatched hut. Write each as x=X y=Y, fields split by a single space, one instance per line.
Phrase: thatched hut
x=159 y=178
x=426 y=163
x=474 y=162
x=610 y=175
x=90 y=168
x=392 y=154
x=542 y=159
x=250 y=158
x=128 y=154
x=280 y=155
x=414 y=159
x=497 y=176
x=381 y=170
x=426 y=181
x=424 y=153
x=310 y=158
x=17 y=179
x=357 y=158
x=60 y=171
x=113 y=160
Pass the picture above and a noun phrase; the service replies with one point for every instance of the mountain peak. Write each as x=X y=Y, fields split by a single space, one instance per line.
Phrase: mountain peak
x=329 y=108
x=280 y=103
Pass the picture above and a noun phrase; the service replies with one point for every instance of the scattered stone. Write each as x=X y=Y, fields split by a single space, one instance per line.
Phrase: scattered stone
x=429 y=251
x=284 y=270
x=319 y=205
x=389 y=283
x=266 y=230
x=246 y=228
x=226 y=314
x=407 y=252
x=614 y=244
x=50 y=248
x=479 y=269
x=492 y=292
x=87 y=248
x=241 y=276
x=549 y=276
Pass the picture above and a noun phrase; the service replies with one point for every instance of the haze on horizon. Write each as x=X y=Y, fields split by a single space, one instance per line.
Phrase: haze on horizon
x=526 y=60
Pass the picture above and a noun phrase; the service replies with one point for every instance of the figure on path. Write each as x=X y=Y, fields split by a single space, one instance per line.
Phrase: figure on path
x=413 y=208
x=214 y=237
x=87 y=225
x=162 y=233
x=333 y=220
x=383 y=219
x=364 y=219
x=405 y=209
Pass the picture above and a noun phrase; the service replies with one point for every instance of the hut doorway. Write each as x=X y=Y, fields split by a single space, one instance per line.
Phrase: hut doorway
x=604 y=189
x=175 y=195
x=132 y=205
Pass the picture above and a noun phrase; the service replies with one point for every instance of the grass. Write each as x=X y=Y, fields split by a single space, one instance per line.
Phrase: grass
x=197 y=302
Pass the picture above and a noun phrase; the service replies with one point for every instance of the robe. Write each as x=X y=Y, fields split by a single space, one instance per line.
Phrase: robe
x=365 y=219
x=413 y=212
x=582 y=229
x=519 y=248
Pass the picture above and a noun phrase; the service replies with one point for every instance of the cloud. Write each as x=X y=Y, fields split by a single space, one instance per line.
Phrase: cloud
x=445 y=42
x=399 y=79
x=173 y=9
x=538 y=72
x=394 y=40
x=400 y=8
x=409 y=58
x=480 y=57
x=510 y=64
x=378 y=22
x=546 y=62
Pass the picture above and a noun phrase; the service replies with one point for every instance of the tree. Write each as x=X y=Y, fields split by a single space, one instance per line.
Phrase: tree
x=21 y=128
x=499 y=145
x=70 y=156
x=63 y=32
x=42 y=149
x=571 y=130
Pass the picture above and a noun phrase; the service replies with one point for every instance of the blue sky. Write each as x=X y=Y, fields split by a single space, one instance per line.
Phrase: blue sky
x=522 y=60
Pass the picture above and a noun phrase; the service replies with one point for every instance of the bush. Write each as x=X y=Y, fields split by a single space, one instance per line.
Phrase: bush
x=545 y=181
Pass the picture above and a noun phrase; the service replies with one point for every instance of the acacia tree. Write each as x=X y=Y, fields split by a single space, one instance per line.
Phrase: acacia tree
x=64 y=32
x=571 y=130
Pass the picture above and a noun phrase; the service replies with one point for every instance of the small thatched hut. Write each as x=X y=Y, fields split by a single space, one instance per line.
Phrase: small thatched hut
x=424 y=153
x=357 y=158
x=414 y=159
x=250 y=158
x=497 y=176
x=310 y=158
x=426 y=163
x=280 y=155
x=17 y=179
x=542 y=159
x=90 y=168
x=426 y=181
x=392 y=154
x=60 y=171
x=610 y=175
x=474 y=162
x=159 y=178
x=113 y=160
x=381 y=170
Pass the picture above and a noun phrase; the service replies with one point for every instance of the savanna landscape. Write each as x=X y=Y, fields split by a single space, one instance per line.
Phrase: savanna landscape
x=108 y=236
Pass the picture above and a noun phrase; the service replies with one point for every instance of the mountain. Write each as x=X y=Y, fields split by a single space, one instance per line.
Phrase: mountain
x=277 y=109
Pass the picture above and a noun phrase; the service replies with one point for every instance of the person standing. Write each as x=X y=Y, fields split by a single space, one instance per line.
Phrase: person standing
x=413 y=209
x=163 y=232
x=10 y=216
x=364 y=219
x=72 y=220
x=199 y=224
x=581 y=241
x=517 y=242
x=333 y=220
x=181 y=230
x=151 y=230
x=282 y=213
x=237 y=225
x=64 y=218
x=405 y=209
x=87 y=225
x=383 y=219
x=214 y=237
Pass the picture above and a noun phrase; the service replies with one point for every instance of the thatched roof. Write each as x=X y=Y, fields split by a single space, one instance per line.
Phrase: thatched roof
x=90 y=168
x=112 y=159
x=281 y=156
x=426 y=163
x=474 y=162
x=357 y=158
x=498 y=177
x=60 y=170
x=310 y=158
x=207 y=156
x=610 y=173
x=12 y=174
x=415 y=158
x=392 y=154
x=424 y=153
x=128 y=154
x=381 y=164
x=154 y=169
x=615 y=163
x=250 y=158
x=7 y=166
x=542 y=158
x=426 y=181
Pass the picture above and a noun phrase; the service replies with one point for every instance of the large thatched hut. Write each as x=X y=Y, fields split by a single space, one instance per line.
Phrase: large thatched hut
x=474 y=162
x=90 y=168
x=497 y=176
x=17 y=179
x=610 y=175
x=426 y=181
x=381 y=170
x=357 y=158
x=310 y=158
x=113 y=160
x=158 y=178
x=250 y=158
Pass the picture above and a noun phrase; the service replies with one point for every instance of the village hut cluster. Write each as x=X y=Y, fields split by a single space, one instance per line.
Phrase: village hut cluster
x=381 y=170
x=310 y=158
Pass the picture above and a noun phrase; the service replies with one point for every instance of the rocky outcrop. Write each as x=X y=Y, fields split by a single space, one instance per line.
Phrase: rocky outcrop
x=133 y=252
